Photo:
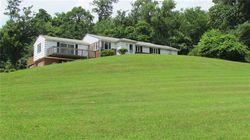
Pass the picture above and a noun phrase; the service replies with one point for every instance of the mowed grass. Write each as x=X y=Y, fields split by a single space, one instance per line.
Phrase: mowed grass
x=128 y=97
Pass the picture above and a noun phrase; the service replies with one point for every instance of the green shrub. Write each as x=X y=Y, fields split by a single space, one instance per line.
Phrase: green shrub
x=8 y=67
x=107 y=53
x=217 y=45
x=123 y=50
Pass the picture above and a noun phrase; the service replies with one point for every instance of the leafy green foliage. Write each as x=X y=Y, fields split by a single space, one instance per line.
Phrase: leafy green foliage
x=107 y=53
x=123 y=51
x=224 y=17
x=13 y=9
x=194 y=24
x=217 y=45
x=16 y=37
x=103 y=8
x=143 y=10
x=243 y=5
x=243 y=33
x=73 y=24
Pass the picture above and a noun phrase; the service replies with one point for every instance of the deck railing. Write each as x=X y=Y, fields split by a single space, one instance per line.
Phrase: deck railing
x=67 y=51
x=72 y=53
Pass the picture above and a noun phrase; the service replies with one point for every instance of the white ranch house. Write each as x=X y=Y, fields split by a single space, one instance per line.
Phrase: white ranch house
x=133 y=47
x=49 y=50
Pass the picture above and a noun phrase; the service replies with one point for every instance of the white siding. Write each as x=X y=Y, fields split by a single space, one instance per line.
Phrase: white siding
x=165 y=51
x=121 y=45
x=85 y=53
x=125 y=45
x=40 y=55
x=45 y=44
x=174 y=53
x=145 y=50
x=113 y=45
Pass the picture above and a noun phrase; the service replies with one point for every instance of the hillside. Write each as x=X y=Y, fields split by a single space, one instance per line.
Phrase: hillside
x=128 y=97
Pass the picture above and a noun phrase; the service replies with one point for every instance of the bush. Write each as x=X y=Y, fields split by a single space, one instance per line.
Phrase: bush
x=217 y=45
x=8 y=67
x=123 y=50
x=107 y=53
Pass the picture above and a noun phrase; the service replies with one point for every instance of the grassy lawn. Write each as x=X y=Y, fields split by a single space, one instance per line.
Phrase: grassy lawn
x=128 y=97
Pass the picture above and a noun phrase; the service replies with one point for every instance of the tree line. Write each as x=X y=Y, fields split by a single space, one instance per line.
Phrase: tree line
x=222 y=32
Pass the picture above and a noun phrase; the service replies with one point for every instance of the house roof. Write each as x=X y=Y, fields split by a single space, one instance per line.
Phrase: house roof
x=74 y=41
x=127 y=40
x=104 y=38
x=139 y=43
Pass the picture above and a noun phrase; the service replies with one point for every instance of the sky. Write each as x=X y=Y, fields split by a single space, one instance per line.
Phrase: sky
x=54 y=6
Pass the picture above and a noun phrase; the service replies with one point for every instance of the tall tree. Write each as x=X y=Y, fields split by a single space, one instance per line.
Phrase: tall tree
x=194 y=23
x=243 y=33
x=165 y=22
x=245 y=8
x=16 y=38
x=103 y=8
x=42 y=23
x=243 y=5
x=229 y=2
x=144 y=10
x=13 y=9
x=73 y=24
x=224 y=17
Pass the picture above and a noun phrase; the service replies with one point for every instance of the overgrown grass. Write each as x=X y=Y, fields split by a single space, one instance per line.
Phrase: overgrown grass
x=128 y=97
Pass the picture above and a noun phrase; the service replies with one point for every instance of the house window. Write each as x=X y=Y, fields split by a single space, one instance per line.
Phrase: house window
x=39 y=48
x=106 y=46
x=66 y=48
x=63 y=45
x=138 y=49
x=131 y=47
x=155 y=50
x=71 y=48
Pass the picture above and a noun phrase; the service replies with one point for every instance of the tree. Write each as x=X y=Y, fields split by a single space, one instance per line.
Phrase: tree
x=165 y=22
x=105 y=27
x=242 y=5
x=243 y=33
x=13 y=9
x=73 y=24
x=224 y=17
x=103 y=8
x=143 y=31
x=42 y=23
x=16 y=37
x=218 y=45
x=143 y=10
x=194 y=23
x=228 y=2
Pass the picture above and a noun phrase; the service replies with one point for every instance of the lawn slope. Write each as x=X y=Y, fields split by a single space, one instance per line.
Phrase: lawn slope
x=128 y=97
